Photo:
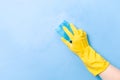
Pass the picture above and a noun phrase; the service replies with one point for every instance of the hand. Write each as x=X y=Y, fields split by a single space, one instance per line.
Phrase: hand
x=78 y=40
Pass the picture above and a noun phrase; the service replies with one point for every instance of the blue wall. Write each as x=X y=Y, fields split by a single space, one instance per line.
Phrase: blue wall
x=30 y=49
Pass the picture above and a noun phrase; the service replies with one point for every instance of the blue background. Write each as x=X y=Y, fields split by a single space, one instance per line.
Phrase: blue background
x=30 y=48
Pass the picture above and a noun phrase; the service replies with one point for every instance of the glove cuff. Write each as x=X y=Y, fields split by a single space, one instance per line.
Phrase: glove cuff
x=94 y=62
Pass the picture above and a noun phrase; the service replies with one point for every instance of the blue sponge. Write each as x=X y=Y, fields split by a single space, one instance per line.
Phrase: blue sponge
x=61 y=32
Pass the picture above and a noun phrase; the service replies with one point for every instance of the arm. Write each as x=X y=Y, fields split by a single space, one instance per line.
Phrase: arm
x=111 y=73
x=93 y=61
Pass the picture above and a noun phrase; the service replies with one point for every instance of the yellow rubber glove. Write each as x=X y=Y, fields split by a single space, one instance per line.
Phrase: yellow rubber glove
x=80 y=46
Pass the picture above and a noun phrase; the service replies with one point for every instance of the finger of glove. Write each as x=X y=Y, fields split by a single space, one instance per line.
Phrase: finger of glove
x=70 y=35
x=65 y=42
x=81 y=32
x=74 y=29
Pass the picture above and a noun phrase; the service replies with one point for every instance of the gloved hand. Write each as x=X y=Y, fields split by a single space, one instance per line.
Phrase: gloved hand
x=80 y=46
